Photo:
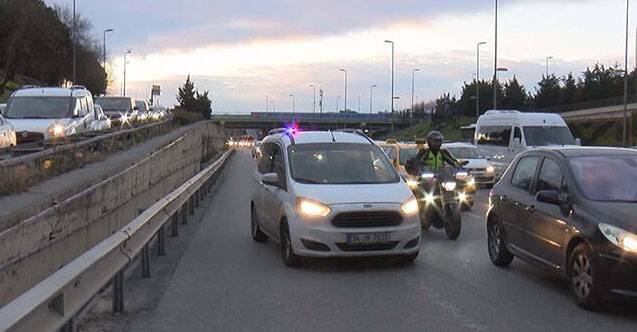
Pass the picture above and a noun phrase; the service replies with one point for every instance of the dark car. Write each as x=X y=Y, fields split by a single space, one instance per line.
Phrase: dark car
x=574 y=211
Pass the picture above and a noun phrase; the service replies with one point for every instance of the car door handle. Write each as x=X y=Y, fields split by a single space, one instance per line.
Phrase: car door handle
x=530 y=209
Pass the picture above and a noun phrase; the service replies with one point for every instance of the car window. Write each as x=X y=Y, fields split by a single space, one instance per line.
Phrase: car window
x=390 y=151
x=494 y=135
x=550 y=177
x=265 y=162
x=524 y=173
x=517 y=133
x=406 y=153
x=278 y=166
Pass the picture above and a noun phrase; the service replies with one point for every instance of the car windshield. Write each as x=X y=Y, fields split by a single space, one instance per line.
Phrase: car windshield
x=546 y=136
x=340 y=163
x=142 y=106
x=607 y=178
x=406 y=153
x=118 y=104
x=466 y=153
x=38 y=108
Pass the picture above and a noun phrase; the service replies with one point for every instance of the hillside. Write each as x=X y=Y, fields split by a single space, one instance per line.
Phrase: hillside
x=16 y=84
x=450 y=129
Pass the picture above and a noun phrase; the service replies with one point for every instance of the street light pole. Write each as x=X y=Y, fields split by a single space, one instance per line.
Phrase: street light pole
x=371 y=91
x=495 y=61
x=105 y=31
x=337 y=99
x=392 y=74
x=293 y=105
x=314 y=96
x=266 y=103
x=124 y=83
x=74 y=42
x=345 y=71
x=273 y=107
x=497 y=70
x=547 y=65
x=413 y=76
x=478 y=78
x=625 y=126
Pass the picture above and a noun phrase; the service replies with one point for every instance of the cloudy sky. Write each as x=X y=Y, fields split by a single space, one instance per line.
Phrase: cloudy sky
x=243 y=50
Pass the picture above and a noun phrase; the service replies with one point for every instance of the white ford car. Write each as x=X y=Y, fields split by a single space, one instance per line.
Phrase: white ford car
x=329 y=194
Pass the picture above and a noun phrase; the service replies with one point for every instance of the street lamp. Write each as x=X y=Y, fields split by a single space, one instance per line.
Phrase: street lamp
x=266 y=103
x=345 y=71
x=495 y=61
x=371 y=91
x=337 y=99
x=478 y=78
x=625 y=127
x=124 y=84
x=105 y=31
x=273 y=107
x=293 y=105
x=314 y=96
x=392 y=74
x=74 y=56
x=547 y=65
x=499 y=69
x=413 y=76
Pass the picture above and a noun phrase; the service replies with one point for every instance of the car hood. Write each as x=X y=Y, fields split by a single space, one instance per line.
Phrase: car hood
x=476 y=163
x=334 y=194
x=37 y=125
x=622 y=215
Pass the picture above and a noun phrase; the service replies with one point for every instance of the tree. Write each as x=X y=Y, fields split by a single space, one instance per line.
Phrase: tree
x=569 y=93
x=467 y=101
x=191 y=100
x=444 y=108
x=515 y=97
x=548 y=93
x=203 y=104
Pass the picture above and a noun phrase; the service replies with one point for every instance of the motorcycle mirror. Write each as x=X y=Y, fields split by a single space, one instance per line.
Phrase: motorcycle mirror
x=464 y=162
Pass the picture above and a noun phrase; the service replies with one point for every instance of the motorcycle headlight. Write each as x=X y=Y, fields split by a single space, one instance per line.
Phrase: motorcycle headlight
x=449 y=185
x=427 y=175
x=619 y=237
x=462 y=197
x=430 y=198
x=490 y=169
x=410 y=207
x=313 y=208
x=471 y=182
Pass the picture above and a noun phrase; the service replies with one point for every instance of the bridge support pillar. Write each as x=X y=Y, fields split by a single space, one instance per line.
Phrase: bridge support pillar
x=146 y=261
x=161 y=241
x=184 y=213
x=69 y=326
x=175 y=224
x=192 y=203
x=118 y=292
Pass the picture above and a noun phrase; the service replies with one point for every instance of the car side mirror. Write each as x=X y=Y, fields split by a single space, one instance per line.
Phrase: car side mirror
x=578 y=141
x=135 y=108
x=464 y=163
x=549 y=196
x=271 y=179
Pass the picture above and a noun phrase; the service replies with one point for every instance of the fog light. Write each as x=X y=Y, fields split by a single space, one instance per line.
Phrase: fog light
x=462 y=197
x=449 y=185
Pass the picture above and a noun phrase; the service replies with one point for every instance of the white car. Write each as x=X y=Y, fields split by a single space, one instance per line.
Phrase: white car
x=7 y=134
x=483 y=171
x=2 y=107
x=102 y=122
x=332 y=194
x=39 y=113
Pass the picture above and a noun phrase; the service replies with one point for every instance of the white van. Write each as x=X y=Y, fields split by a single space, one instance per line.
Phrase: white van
x=43 y=113
x=501 y=135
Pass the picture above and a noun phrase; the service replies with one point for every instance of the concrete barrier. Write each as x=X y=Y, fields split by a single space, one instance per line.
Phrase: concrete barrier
x=38 y=246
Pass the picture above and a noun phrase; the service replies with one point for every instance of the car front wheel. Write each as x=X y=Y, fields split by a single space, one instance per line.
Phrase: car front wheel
x=290 y=259
x=255 y=230
x=584 y=278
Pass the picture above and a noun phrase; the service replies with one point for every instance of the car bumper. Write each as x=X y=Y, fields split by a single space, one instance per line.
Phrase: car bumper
x=326 y=240
x=620 y=271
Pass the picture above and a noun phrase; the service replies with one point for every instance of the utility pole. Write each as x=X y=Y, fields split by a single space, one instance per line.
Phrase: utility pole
x=413 y=76
x=547 y=65
x=74 y=42
x=392 y=78
x=478 y=78
x=495 y=61
x=266 y=103
x=105 y=31
x=625 y=139
x=124 y=85
x=313 y=96
x=371 y=91
x=345 y=71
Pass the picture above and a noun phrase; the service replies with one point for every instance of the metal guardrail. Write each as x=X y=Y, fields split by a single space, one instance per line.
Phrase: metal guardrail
x=52 y=304
x=73 y=146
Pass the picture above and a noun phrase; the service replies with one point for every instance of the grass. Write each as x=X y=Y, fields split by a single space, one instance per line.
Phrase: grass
x=450 y=129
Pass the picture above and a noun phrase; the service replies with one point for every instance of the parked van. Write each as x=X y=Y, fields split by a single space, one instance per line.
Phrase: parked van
x=39 y=113
x=501 y=135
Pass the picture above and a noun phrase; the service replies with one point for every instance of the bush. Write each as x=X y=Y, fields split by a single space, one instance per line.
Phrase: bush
x=184 y=118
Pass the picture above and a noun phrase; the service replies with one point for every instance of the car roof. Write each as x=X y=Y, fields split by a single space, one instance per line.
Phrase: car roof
x=513 y=117
x=307 y=137
x=582 y=151
x=50 y=92
x=458 y=145
x=113 y=97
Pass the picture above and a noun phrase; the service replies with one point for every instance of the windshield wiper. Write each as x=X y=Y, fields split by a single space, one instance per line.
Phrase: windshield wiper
x=308 y=181
x=29 y=117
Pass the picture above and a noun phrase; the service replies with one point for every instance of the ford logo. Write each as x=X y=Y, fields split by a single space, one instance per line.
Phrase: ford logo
x=367 y=206
x=25 y=134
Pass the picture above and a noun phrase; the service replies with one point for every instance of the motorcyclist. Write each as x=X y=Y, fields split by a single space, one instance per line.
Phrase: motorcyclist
x=431 y=158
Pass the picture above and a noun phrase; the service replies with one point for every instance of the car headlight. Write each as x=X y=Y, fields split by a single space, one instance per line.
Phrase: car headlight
x=56 y=130
x=449 y=185
x=410 y=207
x=619 y=237
x=471 y=182
x=412 y=183
x=312 y=208
x=429 y=198
x=490 y=169
x=427 y=175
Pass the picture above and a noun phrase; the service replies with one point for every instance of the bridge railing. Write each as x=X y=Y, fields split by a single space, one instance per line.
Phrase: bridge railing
x=53 y=303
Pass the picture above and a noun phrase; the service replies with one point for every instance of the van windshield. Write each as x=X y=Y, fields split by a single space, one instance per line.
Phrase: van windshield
x=546 y=136
x=114 y=104
x=340 y=163
x=38 y=107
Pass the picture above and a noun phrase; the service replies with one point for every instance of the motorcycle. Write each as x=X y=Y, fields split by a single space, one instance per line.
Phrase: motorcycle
x=440 y=197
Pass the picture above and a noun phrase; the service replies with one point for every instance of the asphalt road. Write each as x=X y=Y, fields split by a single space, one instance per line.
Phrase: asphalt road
x=227 y=282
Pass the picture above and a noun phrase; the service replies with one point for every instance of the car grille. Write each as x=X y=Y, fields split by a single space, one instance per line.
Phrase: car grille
x=29 y=136
x=367 y=247
x=367 y=219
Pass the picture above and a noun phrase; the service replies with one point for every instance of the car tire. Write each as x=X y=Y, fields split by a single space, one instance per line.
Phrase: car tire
x=290 y=259
x=425 y=222
x=498 y=252
x=584 y=278
x=255 y=230
x=408 y=259
x=453 y=222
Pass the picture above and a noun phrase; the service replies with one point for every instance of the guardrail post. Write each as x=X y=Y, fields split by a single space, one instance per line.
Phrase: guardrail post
x=118 y=292
x=175 y=226
x=146 y=261
x=197 y=197
x=192 y=204
x=69 y=326
x=184 y=213
x=161 y=242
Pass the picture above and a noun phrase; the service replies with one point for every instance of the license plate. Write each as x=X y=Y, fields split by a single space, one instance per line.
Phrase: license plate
x=368 y=238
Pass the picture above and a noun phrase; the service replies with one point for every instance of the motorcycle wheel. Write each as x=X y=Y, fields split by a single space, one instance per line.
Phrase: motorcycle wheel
x=453 y=221
x=425 y=222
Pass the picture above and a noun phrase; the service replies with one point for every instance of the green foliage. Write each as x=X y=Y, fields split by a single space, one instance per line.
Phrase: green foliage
x=450 y=128
x=183 y=117
x=190 y=100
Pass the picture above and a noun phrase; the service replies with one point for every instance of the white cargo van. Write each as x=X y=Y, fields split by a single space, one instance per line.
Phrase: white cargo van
x=503 y=134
